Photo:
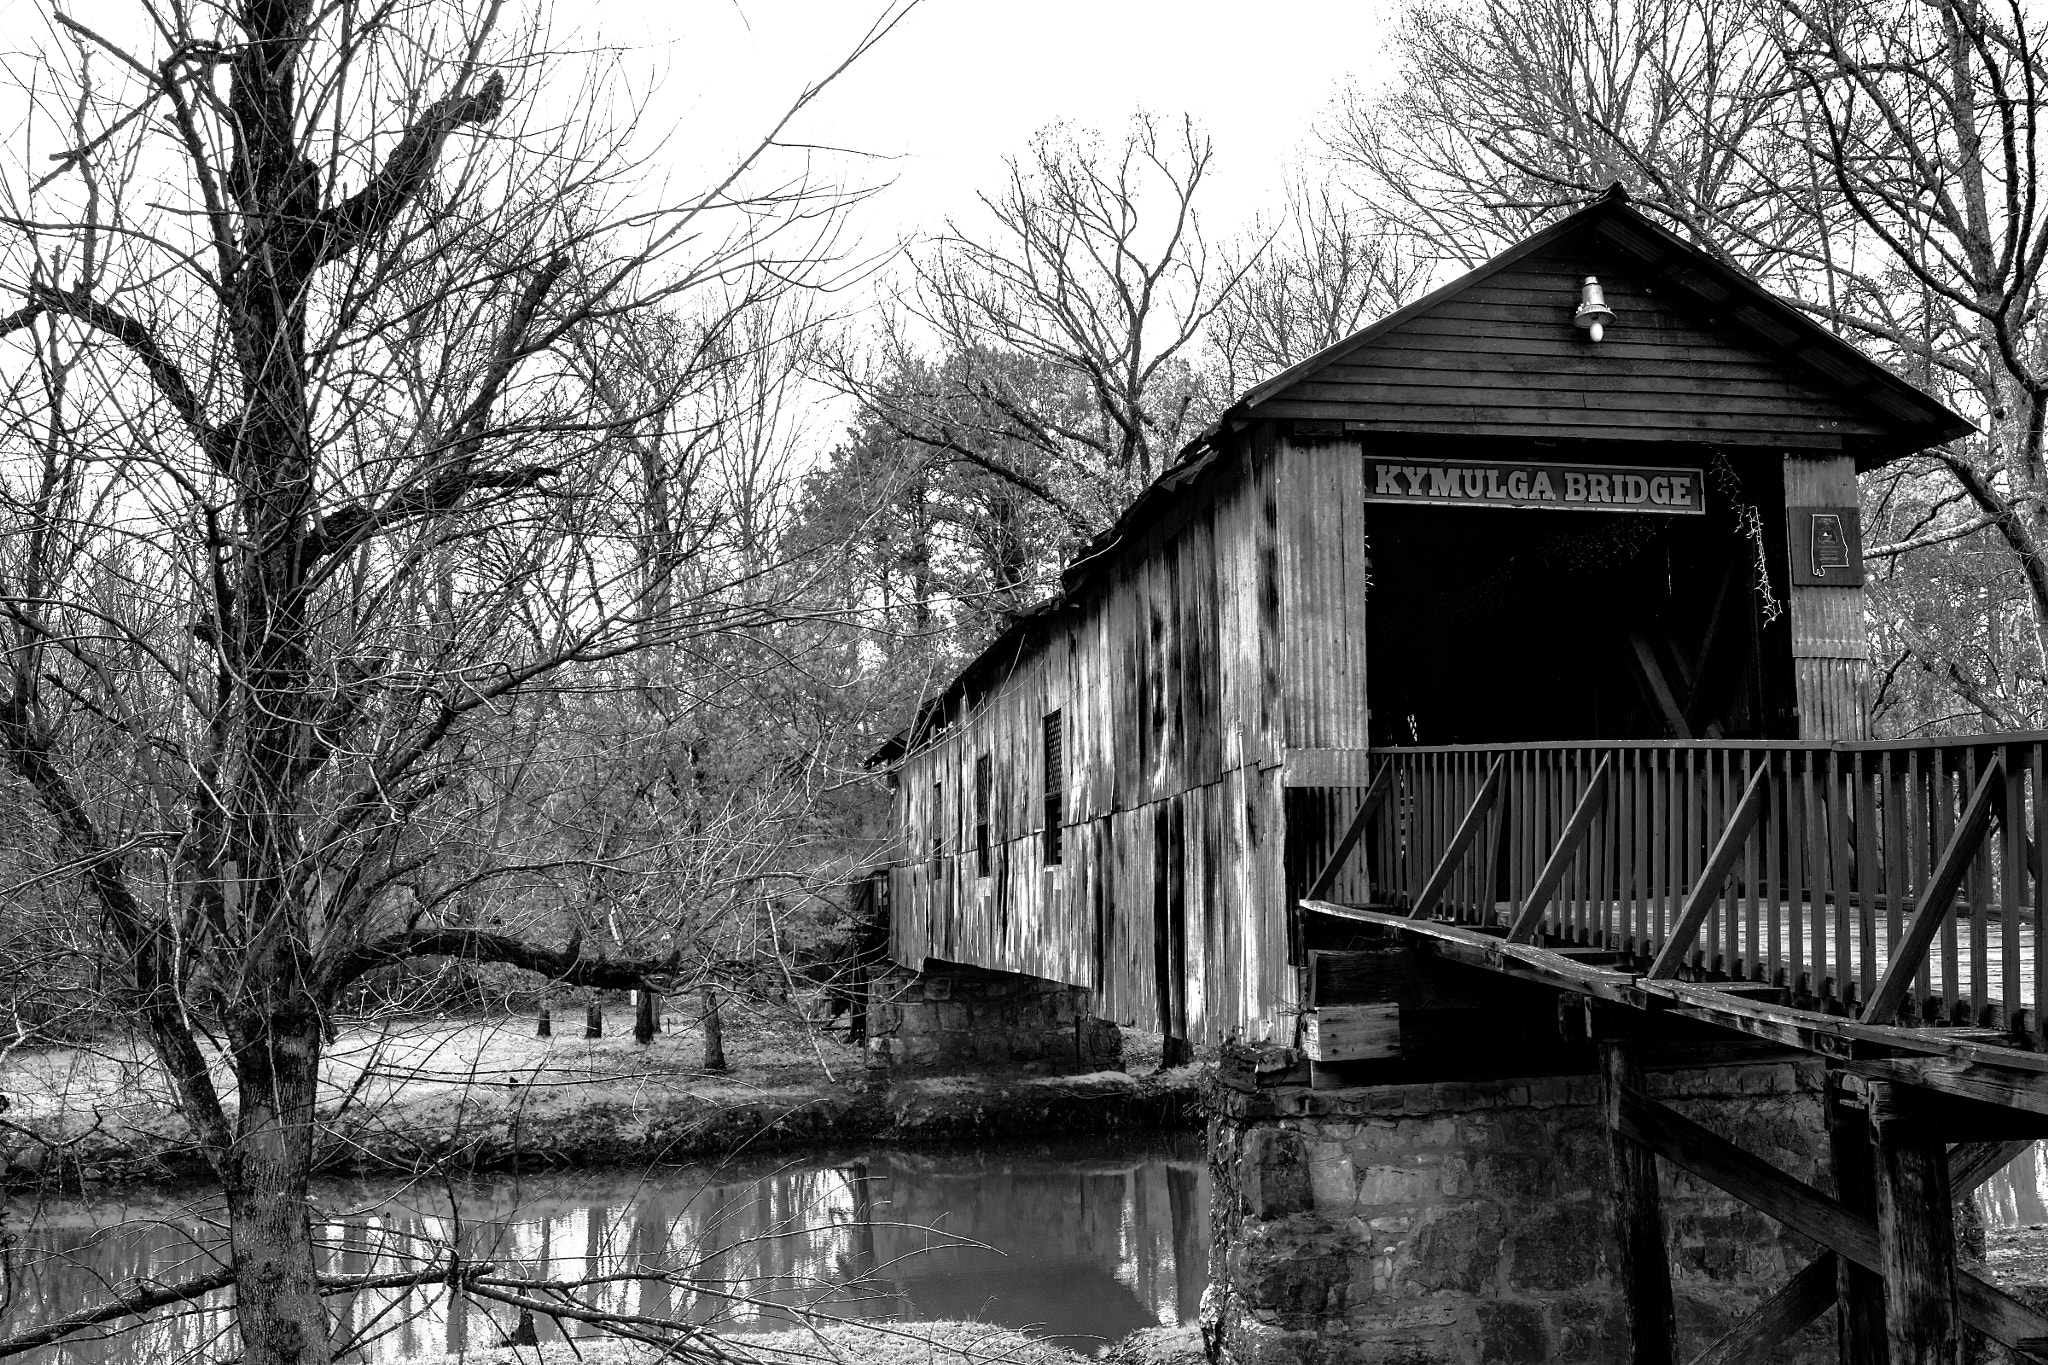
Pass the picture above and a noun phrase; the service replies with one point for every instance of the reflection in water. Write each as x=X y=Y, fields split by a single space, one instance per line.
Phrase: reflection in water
x=1087 y=1240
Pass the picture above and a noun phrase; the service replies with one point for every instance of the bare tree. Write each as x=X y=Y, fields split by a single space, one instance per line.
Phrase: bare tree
x=1047 y=351
x=1872 y=159
x=1321 y=269
x=307 y=505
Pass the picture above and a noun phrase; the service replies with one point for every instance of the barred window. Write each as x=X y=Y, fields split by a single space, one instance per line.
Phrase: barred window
x=1055 y=788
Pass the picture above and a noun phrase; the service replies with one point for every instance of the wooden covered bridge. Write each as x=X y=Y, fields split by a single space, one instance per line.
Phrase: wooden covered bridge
x=1513 y=649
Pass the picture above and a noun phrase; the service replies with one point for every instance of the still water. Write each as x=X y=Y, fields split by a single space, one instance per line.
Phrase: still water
x=1081 y=1241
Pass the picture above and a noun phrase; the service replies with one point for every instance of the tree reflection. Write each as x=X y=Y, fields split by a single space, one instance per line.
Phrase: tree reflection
x=1051 y=1239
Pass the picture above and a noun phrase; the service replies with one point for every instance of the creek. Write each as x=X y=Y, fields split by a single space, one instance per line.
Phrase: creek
x=1082 y=1241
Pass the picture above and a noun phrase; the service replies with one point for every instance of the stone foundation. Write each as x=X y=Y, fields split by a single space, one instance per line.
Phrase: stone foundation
x=1470 y=1222
x=950 y=1017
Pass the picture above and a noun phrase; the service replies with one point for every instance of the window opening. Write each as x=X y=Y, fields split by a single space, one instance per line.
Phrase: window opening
x=1055 y=788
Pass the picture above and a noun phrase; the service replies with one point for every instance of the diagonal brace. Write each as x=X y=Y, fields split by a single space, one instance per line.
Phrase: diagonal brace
x=1807 y=1211
x=1811 y=1292
x=1714 y=875
x=1591 y=803
x=1375 y=797
x=1454 y=853
x=1931 y=910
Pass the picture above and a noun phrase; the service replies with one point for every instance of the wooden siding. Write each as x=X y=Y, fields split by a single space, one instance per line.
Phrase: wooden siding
x=1169 y=901
x=1501 y=357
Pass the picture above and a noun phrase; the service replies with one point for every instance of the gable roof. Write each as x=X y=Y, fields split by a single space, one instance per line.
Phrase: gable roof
x=1714 y=356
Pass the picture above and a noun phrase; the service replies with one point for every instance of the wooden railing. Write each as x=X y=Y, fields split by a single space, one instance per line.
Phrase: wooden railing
x=1900 y=882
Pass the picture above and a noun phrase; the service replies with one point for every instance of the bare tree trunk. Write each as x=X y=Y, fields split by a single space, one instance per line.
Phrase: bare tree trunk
x=646 y=1016
x=1175 y=1052
x=714 y=1031
x=265 y=1179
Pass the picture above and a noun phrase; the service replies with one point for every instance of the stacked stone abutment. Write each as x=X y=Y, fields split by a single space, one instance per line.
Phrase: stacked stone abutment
x=1470 y=1222
x=949 y=1017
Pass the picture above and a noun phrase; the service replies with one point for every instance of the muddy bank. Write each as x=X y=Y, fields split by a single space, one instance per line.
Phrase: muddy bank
x=461 y=1098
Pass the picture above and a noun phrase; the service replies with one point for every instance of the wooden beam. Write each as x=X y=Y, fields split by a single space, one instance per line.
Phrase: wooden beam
x=1915 y=1233
x=1454 y=852
x=1970 y=1164
x=1807 y=1211
x=1932 y=906
x=1858 y=1292
x=1375 y=797
x=1720 y=863
x=1779 y=1318
x=1951 y=1061
x=1591 y=802
x=1812 y=1291
x=1639 y=1222
x=1659 y=685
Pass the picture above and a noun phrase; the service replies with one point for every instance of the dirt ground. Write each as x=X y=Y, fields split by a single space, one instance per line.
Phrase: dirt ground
x=414 y=1093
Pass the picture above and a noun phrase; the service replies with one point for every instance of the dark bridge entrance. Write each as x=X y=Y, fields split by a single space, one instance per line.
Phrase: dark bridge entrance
x=1492 y=625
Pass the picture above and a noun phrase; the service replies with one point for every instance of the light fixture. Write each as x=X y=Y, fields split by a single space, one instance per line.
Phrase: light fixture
x=1593 y=313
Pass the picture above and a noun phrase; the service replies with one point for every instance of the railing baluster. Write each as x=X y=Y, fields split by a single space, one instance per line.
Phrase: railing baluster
x=1962 y=778
x=2038 y=871
x=1840 y=805
x=1864 y=850
x=1774 y=874
x=1795 y=874
x=1980 y=932
x=2011 y=874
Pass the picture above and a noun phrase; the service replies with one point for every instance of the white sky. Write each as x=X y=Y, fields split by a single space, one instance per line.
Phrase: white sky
x=962 y=83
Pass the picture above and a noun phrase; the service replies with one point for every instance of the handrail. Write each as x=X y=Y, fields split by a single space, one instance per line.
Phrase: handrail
x=1800 y=864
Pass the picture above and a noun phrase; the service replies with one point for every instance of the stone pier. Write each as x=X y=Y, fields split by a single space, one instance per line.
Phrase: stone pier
x=1469 y=1222
x=950 y=1017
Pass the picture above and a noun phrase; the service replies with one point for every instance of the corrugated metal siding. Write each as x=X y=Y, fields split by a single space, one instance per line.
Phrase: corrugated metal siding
x=1169 y=901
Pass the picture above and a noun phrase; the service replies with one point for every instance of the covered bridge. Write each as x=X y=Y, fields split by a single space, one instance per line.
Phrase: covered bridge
x=1481 y=549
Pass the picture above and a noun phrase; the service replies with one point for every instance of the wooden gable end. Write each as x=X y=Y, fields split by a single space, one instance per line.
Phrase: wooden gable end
x=1501 y=357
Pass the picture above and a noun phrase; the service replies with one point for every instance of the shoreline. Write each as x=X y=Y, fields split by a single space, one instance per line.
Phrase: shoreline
x=570 y=1105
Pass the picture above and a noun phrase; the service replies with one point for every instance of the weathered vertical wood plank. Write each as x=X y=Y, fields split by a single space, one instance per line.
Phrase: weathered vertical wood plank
x=1915 y=1235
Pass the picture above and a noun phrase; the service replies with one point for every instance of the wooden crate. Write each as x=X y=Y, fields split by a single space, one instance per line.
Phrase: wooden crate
x=1353 y=1033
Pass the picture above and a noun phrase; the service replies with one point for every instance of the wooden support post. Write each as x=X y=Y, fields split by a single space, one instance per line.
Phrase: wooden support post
x=1454 y=853
x=1560 y=861
x=1933 y=906
x=1915 y=1232
x=1375 y=797
x=1639 y=1222
x=1859 y=1294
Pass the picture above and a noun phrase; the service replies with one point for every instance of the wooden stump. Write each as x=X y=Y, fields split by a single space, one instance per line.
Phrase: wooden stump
x=714 y=1032
x=646 y=1016
x=593 y=1020
x=544 y=1026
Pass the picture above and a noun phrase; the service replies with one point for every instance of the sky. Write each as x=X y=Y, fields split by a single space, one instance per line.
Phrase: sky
x=960 y=84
